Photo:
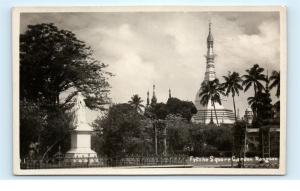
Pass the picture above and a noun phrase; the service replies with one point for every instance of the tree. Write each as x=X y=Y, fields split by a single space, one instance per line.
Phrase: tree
x=178 y=134
x=53 y=61
x=47 y=129
x=160 y=111
x=262 y=104
x=185 y=108
x=56 y=133
x=218 y=138
x=136 y=102
x=239 y=133
x=122 y=132
x=211 y=91
x=33 y=121
x=54 y=66
x=275 y=82
x=232 y=85
x=254 y=77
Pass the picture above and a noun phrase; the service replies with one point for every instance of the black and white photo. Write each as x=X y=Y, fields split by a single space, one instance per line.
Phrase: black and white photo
x=149 y=90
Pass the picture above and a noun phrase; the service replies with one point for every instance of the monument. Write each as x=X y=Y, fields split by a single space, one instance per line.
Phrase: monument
x=81 y=135
x=206 y=113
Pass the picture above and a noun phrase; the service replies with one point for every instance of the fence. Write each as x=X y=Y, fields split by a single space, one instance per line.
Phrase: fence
x=90 y=162
x=182 y=160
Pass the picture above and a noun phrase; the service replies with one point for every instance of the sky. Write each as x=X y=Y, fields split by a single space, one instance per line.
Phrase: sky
x=167 y=48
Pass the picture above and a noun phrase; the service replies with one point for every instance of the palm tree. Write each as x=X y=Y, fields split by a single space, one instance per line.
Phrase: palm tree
x=232 y=85
x=254 y=77
x=136 y=102
x=211 y=91
x=255 y=102
x=275 y=82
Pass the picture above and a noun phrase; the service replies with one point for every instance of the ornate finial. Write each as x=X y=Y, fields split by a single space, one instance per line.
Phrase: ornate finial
x=148 y=99
x=210 y=38
x=153 y=100
x=170 y=93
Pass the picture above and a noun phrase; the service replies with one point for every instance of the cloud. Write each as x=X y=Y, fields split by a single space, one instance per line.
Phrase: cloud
x=167 y=48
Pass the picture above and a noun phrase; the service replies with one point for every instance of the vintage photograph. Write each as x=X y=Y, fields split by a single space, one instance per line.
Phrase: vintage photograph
x=149 y=90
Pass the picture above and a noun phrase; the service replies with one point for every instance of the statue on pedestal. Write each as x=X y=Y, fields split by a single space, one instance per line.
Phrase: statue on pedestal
x=81 y=135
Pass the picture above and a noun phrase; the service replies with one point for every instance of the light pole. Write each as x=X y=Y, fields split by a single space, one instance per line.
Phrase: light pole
x=155 y=137
x=245 y=143
x=165 y=139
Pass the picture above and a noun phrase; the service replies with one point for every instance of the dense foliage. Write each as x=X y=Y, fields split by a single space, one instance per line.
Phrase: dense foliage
x=121 y=131
x=54 y=66
x=53 y=61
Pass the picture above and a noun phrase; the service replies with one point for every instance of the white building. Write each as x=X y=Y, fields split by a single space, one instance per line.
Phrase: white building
x=206 y=113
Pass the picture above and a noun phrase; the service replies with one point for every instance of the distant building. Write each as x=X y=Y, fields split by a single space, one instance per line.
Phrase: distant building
x=206 y=113
x=248 y=115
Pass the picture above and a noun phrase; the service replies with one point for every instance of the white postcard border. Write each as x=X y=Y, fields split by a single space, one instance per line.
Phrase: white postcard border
x=16 y=11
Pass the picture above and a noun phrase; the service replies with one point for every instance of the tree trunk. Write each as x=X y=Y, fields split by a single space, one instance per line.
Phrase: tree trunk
x=165 y=140
x=215 y=113
x=234 y=108
x=211 y=117
x=255 y=109
x=155 y=138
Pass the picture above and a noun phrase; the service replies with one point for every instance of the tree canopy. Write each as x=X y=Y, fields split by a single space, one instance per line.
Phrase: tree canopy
x=232 y=85
x=211 y=91
x=254 y=77
x=53 y=61
x=122 y=131
x=173 y=106
x=136 y=102
x=185 y=108
x=275 y=82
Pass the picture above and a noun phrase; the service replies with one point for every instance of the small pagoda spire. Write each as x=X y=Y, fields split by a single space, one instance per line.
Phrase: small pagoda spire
x=153 y=89
x=153 y=100
x=148 y=99
x=170 y=96
x=210 y=38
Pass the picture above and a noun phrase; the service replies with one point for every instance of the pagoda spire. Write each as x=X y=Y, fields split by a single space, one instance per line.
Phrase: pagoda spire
x=210 y=38
x=210 y=73
x=170 y=93
x=148 y=99
x=153 y=99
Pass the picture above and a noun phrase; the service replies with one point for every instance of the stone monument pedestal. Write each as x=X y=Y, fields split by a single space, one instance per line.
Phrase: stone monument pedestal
x=81 y=148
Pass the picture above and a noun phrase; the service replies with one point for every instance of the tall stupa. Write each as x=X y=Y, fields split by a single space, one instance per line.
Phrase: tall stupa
x=206 y=114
